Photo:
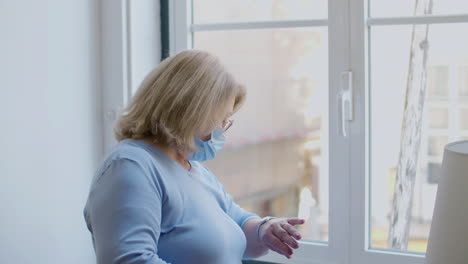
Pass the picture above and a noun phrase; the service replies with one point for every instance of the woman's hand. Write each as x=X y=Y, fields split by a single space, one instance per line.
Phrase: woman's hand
x=280 y=235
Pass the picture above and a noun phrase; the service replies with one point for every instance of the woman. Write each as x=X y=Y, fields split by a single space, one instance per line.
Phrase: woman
x=151 y=201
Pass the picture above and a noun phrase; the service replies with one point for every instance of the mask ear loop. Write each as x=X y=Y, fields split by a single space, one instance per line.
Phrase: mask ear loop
x=229 y=124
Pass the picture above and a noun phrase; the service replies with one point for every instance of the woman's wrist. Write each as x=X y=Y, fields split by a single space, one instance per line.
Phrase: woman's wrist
x=261 y=223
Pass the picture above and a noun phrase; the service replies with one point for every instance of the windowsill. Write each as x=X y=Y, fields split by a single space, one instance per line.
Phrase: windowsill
x=254 y=262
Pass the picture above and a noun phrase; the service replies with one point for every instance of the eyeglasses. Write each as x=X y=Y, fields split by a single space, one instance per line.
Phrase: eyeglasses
x=227 y=124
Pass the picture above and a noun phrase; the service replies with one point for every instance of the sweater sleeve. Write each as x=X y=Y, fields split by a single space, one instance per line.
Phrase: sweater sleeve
x=124 y=214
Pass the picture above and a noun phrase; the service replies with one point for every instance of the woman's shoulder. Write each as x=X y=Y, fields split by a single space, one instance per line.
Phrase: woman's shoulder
x=128 y=150
x=130 y=154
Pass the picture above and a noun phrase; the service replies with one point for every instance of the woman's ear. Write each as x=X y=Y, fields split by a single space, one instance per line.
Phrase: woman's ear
x=206 y=138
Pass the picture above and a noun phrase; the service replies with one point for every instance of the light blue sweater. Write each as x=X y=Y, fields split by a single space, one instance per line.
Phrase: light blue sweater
x=143 y=207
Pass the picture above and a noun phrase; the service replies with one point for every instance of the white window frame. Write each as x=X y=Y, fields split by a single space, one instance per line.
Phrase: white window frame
x=349 y=237
x=361 y=249
x=128 y=51
x=349 y=38
x=115 y=64
x=181 y=31
x=361 y=23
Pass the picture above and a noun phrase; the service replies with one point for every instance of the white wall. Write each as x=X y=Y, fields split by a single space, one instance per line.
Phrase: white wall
x=50 y=128
x=145 y=34
x=131 y=48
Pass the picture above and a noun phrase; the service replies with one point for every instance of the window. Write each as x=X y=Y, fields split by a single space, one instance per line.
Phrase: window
x=438 y=118
x=464 y=118
x=436 y=145
x=302 y=152
x=279 y=133
x=437 y=81
x=399 y=49
x=463 y=84
x=433 y=173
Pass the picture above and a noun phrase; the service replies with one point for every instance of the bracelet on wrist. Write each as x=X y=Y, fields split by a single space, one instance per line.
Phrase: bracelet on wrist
x=264 y=220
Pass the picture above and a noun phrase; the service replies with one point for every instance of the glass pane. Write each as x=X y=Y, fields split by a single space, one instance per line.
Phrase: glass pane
x=215 y=11
x=436 y=145
x=389 y=68
x=463 y=84
x=438 y=118
x=433 y=172
x=464 y=118
x=275 y=161
x=437 y=80
x=395 y=8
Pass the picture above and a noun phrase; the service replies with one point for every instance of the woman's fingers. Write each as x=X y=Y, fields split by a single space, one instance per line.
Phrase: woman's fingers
x=279 y=235
x=278 y=246
x=291 y=230
x=284 y=236
x=295 y=221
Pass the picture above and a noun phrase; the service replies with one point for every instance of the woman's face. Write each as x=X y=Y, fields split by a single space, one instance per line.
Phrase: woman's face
x=227 y=112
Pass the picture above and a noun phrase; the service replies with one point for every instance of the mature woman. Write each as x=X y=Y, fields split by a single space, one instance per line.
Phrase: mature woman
x=151 y=201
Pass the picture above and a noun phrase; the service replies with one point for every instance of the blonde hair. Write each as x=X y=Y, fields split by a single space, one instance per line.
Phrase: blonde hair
x=181 y=98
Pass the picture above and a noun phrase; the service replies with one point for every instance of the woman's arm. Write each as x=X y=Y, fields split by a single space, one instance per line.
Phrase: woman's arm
x=255 y=248
x=277 y=234
x=124 y=213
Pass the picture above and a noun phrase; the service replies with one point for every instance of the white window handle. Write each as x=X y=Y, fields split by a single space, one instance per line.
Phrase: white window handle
x=346 y=95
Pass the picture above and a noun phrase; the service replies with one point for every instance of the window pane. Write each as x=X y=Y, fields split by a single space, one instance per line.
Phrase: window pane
x=436 y=145
x=438 y=118
x=464 y=118
x=389 y=68
x=463 y=83
x=385 y=8
x=433 y=172
x=275 y=162
x=213 y=11
x=437 y=80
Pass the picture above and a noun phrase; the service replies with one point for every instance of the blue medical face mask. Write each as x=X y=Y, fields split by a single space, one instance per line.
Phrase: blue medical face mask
x=207 y=149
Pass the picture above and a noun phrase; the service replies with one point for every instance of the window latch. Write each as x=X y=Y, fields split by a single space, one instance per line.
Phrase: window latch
x=346 y=97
